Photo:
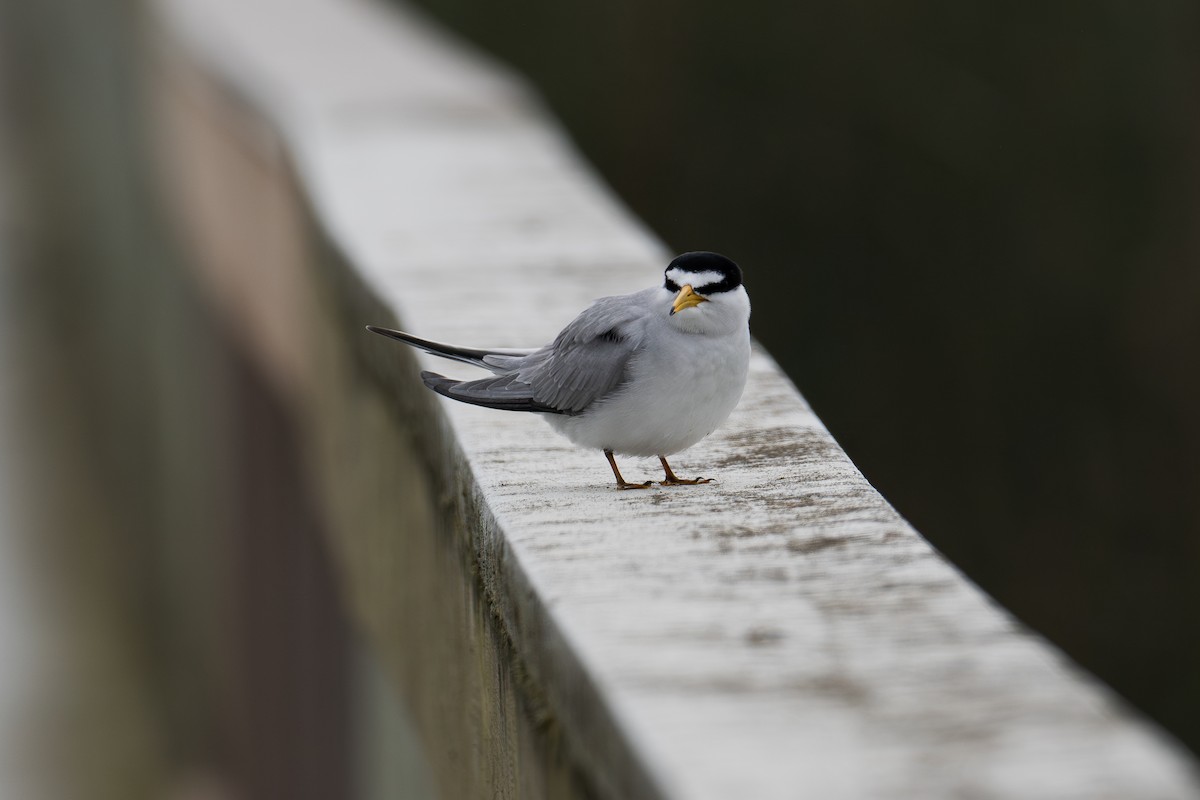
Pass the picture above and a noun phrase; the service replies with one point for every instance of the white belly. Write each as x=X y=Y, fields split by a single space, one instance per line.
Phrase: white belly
x=677 y=395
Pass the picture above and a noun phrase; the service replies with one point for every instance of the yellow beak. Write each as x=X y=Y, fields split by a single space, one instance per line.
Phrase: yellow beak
x=686 y=299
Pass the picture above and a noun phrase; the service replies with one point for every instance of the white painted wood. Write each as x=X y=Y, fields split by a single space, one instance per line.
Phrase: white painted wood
x=781 y=633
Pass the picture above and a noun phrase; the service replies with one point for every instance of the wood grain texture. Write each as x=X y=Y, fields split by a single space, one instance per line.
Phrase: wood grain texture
x=779 y=633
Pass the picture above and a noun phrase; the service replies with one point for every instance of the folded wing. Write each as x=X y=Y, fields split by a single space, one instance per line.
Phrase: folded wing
x=586 y=361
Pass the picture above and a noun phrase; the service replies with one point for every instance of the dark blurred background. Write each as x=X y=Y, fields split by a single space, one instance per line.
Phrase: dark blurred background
x=972 y=236
x=971 y=232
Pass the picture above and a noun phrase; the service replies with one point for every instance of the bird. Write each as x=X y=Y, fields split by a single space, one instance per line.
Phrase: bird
x=647 y=374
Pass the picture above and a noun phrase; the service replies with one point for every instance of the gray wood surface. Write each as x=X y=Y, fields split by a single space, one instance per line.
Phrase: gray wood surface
x=780 y=633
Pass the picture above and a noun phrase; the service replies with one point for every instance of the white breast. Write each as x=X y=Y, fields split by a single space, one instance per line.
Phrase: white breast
x=679 y=391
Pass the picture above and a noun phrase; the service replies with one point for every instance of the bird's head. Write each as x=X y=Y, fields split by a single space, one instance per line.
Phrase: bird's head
x=706 y=293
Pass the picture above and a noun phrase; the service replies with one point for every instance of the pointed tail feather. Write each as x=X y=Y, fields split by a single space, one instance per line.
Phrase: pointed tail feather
x=467 y=355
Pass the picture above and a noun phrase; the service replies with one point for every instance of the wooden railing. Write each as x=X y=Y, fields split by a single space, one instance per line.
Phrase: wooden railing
x=780 y=633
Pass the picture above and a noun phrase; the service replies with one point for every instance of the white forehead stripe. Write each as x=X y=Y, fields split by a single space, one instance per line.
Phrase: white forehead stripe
x=698 y=280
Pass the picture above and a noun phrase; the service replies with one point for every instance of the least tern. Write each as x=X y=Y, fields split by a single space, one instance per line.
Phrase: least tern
x=643 y=374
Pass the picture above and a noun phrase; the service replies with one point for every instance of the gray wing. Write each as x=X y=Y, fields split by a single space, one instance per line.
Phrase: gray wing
x=589 y=358
x=503 y=392
x=586 y=361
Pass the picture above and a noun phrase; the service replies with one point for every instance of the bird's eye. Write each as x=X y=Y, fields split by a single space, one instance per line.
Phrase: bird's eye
x=671 y=285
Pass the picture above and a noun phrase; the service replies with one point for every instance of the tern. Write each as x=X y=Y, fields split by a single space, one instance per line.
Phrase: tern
x=643 y=374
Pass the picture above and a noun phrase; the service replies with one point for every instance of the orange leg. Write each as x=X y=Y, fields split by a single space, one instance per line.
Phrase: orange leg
x=673 y=480
x=621 y=484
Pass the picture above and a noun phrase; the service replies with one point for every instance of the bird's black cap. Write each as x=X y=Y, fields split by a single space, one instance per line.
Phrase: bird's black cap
x=724 y=274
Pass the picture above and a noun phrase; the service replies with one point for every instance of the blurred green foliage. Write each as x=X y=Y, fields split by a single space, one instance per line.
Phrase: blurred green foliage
x=972 y=236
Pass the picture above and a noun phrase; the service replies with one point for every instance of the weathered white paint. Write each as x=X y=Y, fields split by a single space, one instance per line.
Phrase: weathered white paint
x=779 y=633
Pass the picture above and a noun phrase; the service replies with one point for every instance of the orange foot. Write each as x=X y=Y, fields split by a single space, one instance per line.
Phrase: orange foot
x=674 y=480
x=621 y=482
